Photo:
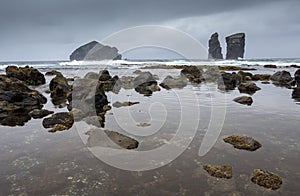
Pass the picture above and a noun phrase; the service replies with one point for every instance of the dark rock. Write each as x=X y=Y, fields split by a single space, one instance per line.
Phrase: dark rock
x=223 y=171
x=97 y=121
x=261 y=77
x=249 y=88
x=59 y=121
x=243 y=142
x=193 y=74
x=266 y=179
x=126 y=103
x=108 y=138
x=214 y=47
x=104 y=75
x=52 y=73
x=244 y=100
x=16 y=101
x=281 y=77
x=29 y=75
x=145 y=83
x=59 y=88
x=297 y=77
x=169 y=82
x=235 y=46
x=91 y=76
x=95 y=51
x=245 y=75
x=228 y=81
x=211 y=74
x=270 y=66
x=36 y=113
x=296 y=94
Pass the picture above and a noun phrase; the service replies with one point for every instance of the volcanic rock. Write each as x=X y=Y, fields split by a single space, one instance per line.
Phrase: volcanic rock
x=214 y=47
x=244 y=100
x=235 y=46
x=243 y=142
x=29 y=75
x=266 y=179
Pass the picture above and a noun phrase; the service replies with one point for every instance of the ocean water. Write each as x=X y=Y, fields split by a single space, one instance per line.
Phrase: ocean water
x=36 y=162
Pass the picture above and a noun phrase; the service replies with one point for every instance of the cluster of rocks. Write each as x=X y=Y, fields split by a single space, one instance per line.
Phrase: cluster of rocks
x=235 y=46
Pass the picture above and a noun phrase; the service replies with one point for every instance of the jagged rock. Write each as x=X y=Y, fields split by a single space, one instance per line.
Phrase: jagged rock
x=169 y=82
x=261 y=77
x=59 y=88
x=266 y=179
x=59 y=121
x=296 y=94
x=214 y=47
x=244 y=100
x=29 y=75
x=243 y=142
x=115 y=139
x=16 y=101
x=36 y=113
x=145 y=83
x=95 y=51
x=297 y=77
x=281 y=77
x=235 y=46
x=223 y=171
x=126 y=103
x=270 y=66
x=228 y=81
x=193 y=74
x=249 y=88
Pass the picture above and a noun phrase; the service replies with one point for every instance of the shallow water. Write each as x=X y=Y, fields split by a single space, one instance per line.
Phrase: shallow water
x=36 y=162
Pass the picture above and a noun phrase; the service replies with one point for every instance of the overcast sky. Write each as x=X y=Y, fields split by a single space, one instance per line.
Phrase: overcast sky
x=52 y=29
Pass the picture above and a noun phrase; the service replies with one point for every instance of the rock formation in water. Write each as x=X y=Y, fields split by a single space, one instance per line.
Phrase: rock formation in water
x=235 y=46
x=94 y=51
x=214 y=47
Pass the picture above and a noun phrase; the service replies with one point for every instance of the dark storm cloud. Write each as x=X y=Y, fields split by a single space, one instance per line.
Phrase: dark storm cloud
x=36 y=29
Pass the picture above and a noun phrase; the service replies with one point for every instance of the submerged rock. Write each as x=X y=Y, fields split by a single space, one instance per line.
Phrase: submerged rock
x=112 y=139
x=266 y=179
x=169 y=82
x=281 y=77
x=244 y=100
x=126 y=103
x=59 y=121
x=228 y=81
x=214 y=47
x=248 y=87
x=94 y=51
x=36 y=113
x=193 y=74
x=235 y=46
x=243 y=142
x=223 y=171
x=29 y=75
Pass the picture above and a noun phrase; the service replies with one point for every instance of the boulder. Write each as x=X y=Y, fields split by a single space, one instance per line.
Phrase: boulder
x=228 y=81
x=94 y=51
x=40 y=113
x=235 y=46
x=214 y=47
x=126 y=103
x=211 y=74
x=16 y=101
x=59 y=121
x=244 y=100
x=297 y=77
x=248 y=87
x=296 y=94
x=261 y=77
x=169 y=82
x=29 y=75
x=243 y=142
x=59 y=89
x=145 y=83
x=223 y=171
x=245 y=75
x=281 y=77
x=266 y=179
x=193 y=74
x=127 y=82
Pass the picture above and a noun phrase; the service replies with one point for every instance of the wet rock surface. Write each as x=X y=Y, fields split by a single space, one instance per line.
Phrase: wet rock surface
x=109 y=138
x=59 y=121
x=145 y=84
x=223 y=171
x=245 y=76
x=297 y=77
x=174 y=82
x=244 y=100
x=193 y=74
x=281 y=77
x=28 y=75
x=37 y=113
x=235 y=46
x=266 y=179
x=59 y=89
x=261 y=77
x=214 y=47
x=229 y=81
x=296 y=94
x=118 y=104
x=243 y=142
x=248 y=87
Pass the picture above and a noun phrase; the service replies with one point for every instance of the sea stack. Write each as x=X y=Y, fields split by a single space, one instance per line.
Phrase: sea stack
x=235 y=46
x=94 y=51
x=214 y=50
